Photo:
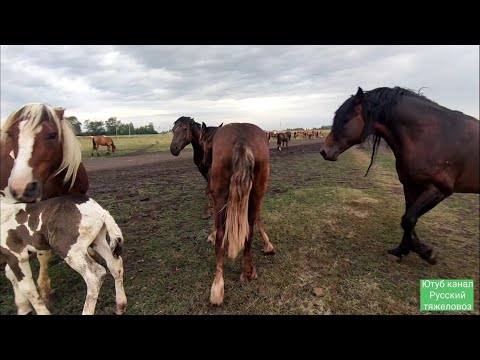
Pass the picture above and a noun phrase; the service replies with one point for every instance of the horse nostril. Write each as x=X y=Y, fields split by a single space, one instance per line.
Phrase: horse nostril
x=323 y=153
x=14 y=194
x=32 y=189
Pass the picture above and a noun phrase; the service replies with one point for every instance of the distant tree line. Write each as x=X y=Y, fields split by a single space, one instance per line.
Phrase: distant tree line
x=110 y=127
x=324 y=127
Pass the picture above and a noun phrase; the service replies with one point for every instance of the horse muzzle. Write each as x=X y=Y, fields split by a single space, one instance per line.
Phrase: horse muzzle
x=31 y=192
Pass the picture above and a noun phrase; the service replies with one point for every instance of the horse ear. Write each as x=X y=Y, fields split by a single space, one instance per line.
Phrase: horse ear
x=59 y=111
x=204 y=126
x=221 y=125
x=359 y=95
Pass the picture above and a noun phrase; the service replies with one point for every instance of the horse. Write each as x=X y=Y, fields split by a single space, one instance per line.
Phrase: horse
x=436 y=151
x=103 y=140
x=289 y=134
x=239 y=176
x=282 y=139
x=187 y=131
x=40 y=159
x=68 y=224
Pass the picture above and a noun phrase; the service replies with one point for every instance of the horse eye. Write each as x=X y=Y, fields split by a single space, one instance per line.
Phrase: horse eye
x=52 y=136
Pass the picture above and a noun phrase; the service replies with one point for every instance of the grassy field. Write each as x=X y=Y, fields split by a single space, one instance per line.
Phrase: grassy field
x=330 y=225
x=128 y=145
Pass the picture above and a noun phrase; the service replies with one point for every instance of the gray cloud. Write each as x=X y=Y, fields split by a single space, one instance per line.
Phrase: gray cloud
x=267 y=85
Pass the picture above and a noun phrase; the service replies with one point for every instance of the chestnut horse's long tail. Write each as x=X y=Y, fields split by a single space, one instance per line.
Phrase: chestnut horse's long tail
x=93 y=142
x=236 y=225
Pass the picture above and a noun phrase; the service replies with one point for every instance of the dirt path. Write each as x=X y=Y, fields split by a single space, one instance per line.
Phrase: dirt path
x=140 y=159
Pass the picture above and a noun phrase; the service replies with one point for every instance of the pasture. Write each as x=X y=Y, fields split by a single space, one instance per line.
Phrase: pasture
x=330 y=225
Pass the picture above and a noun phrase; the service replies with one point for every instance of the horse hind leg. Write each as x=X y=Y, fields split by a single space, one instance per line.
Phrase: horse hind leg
x=268 y=248
x=92 y=272
x=115 y=265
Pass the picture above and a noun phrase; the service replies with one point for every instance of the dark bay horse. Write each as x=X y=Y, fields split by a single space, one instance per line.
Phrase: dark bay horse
x=187 y=131
x=69 y=225
x=436 y=150
x=238 y=181
x=40 y=158
x=103 y=140
x=282 y=141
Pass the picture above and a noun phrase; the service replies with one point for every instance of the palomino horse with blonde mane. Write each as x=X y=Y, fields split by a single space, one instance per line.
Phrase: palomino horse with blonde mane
x=238 y=182
x=103 y=140
x=40 y=158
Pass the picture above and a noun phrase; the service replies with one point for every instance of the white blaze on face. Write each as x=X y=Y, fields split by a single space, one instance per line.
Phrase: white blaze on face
x=22 y=172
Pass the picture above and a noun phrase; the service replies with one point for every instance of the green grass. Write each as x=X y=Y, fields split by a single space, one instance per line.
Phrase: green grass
x=127 y=145
x=330 y=225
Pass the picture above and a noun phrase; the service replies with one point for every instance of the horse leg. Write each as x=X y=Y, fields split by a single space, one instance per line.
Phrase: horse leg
x=115 y=265
x=426 y=201
x=92 y=272
x=96 y=149
x=27 y=286
x=268 y=248
x=46 y=292
x=23 y=305
x=108 y=149
x=249 y=271
x=217 y=290
x=206 y=210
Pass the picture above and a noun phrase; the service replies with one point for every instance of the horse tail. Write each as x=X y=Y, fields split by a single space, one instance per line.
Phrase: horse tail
x=116 y=237
x=93 y=141
x=236 y=224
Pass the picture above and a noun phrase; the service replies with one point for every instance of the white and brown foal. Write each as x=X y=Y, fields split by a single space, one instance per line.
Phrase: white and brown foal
x=68 y=225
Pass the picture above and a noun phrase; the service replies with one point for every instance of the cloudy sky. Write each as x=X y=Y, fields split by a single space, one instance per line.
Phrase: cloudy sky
x=271 y=86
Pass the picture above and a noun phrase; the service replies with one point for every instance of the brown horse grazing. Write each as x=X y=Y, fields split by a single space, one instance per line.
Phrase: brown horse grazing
x=103 y=140
x=187 y=131
x=238 y=182
x=40 y=158
x=436 y=150
x=282 y=140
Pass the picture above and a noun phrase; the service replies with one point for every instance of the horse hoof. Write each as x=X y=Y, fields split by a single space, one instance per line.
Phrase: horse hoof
x=120 y=309
x=393 y=257
x=432 y=259
x=270 y=252
x=252 y=276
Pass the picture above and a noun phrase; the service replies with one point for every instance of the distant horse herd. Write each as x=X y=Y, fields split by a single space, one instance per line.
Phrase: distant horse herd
x=45 y=208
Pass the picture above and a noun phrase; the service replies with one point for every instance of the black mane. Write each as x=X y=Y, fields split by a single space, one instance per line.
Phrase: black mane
x=378 y=105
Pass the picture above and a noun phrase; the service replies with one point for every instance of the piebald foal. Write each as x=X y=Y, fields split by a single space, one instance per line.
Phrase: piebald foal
x=68 y=225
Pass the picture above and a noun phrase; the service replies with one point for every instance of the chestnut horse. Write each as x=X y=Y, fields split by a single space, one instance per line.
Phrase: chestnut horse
x=238 y=181
x=187 y=131
x=436 y=150
x=40 y=158
x=103 y=140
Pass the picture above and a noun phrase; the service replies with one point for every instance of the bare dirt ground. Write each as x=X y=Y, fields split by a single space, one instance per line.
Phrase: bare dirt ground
x=142 y=158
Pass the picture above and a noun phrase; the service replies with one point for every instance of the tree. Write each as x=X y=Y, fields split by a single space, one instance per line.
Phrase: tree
x=77 y=125
x=94 y=127
x=112 y=125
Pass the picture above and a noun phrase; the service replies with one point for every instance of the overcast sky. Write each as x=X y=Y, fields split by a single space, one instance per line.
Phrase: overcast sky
x=271 y=86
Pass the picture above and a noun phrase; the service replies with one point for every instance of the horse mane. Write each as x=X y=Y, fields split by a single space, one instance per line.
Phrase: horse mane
x=378 y=105
x=34 y=114
x=206 y=141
